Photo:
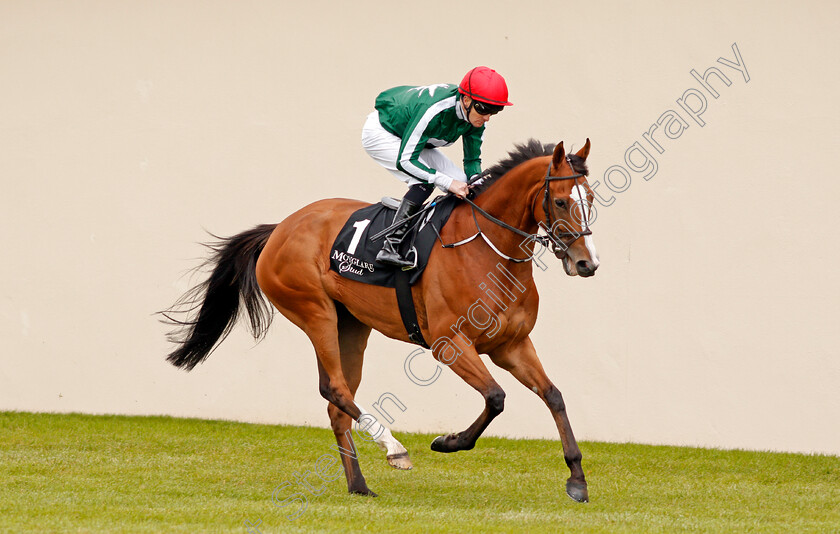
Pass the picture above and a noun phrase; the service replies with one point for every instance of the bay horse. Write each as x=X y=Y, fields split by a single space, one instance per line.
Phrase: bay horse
x=536 y=186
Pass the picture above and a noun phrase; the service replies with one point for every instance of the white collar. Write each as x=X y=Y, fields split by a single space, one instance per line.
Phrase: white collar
x=460 y=111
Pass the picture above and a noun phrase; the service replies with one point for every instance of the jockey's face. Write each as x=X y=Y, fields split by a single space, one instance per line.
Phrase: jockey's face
x=474 y=117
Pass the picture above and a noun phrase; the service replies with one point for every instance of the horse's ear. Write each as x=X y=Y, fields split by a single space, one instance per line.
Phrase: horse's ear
x=583 y=152
x=559 y=155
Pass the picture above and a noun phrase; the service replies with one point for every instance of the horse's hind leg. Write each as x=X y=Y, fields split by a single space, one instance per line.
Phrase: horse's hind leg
x=295 y=286
x=352 y=337
x=318 y=317
x=522 y=362
x=341 y=422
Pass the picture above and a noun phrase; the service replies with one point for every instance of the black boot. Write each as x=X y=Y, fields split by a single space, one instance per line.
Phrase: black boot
x=390 y=253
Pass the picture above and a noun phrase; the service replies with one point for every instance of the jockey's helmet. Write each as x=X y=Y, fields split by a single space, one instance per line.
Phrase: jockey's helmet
x=484 y=84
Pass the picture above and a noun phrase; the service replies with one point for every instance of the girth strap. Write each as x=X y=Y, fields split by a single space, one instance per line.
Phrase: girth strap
x=408 y=313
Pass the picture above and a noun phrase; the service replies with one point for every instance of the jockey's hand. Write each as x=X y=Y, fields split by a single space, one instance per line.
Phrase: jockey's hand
x=460 y=189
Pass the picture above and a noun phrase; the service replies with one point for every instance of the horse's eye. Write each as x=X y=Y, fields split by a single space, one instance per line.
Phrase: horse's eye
x=560 y=203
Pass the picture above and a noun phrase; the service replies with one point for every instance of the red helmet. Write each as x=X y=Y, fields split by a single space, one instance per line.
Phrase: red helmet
x=485 y=85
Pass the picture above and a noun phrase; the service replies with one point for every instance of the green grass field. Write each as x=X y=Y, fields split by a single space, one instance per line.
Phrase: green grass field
x=79 y=473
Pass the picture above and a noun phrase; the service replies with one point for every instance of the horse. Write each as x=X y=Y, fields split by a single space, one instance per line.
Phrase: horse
x=536 y=186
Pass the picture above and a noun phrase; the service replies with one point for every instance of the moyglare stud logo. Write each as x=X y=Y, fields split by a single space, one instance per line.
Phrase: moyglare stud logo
x=350 y=263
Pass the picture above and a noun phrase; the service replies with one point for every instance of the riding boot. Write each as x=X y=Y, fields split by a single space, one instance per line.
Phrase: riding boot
x=390 y=253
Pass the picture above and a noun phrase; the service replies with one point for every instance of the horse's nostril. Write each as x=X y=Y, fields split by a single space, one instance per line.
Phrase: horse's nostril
x=585 y=268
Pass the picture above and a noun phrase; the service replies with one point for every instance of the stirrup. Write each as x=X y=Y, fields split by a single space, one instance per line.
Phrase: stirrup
x=414 y=265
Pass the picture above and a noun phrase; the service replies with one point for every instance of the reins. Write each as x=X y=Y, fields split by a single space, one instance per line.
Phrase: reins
x=503 y=224
x=553 y=240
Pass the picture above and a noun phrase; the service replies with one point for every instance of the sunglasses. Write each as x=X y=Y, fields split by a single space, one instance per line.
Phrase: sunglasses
x=483 y=108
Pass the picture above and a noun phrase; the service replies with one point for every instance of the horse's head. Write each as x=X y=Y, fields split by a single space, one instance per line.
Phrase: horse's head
x=566 y=211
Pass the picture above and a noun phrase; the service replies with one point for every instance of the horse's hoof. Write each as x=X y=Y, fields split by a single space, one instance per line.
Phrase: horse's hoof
x=439 y=444
x=450 y=443
x=577 y=491
x=363 y=491
x=400 y=461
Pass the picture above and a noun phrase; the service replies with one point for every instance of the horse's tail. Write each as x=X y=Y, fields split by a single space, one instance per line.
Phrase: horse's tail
x=232 y=285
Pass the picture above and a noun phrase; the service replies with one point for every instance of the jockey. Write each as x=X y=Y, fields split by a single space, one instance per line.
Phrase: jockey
x=408 y=126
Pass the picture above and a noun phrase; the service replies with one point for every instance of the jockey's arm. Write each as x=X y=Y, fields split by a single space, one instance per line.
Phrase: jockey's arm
x=413 y=143
x=472 y=151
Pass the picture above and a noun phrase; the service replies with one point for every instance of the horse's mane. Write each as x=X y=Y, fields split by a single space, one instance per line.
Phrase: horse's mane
x=520 y=154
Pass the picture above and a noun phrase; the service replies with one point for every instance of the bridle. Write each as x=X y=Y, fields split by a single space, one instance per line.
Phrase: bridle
x=554 y=241
x=558 y=244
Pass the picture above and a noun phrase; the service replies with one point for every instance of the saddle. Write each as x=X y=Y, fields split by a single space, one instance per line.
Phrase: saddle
x=353 y=253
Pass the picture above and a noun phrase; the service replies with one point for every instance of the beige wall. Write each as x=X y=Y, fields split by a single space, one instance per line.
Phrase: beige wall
x=127 y=128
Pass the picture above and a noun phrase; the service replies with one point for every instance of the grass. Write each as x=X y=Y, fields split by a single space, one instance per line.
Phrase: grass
x=80 y=473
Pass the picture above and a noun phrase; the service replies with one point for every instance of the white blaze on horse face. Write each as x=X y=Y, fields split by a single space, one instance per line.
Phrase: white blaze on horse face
x=590 y=246
x=380 y=434
x=578 y=194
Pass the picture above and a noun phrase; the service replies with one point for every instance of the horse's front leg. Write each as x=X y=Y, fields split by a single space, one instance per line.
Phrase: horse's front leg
x=521 y=360
x=471 y=369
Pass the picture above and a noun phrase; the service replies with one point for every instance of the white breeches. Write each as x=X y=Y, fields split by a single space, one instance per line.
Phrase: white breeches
x=384 y=148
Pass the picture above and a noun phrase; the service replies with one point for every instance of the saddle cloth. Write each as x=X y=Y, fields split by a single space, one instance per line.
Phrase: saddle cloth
x=353 y=254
